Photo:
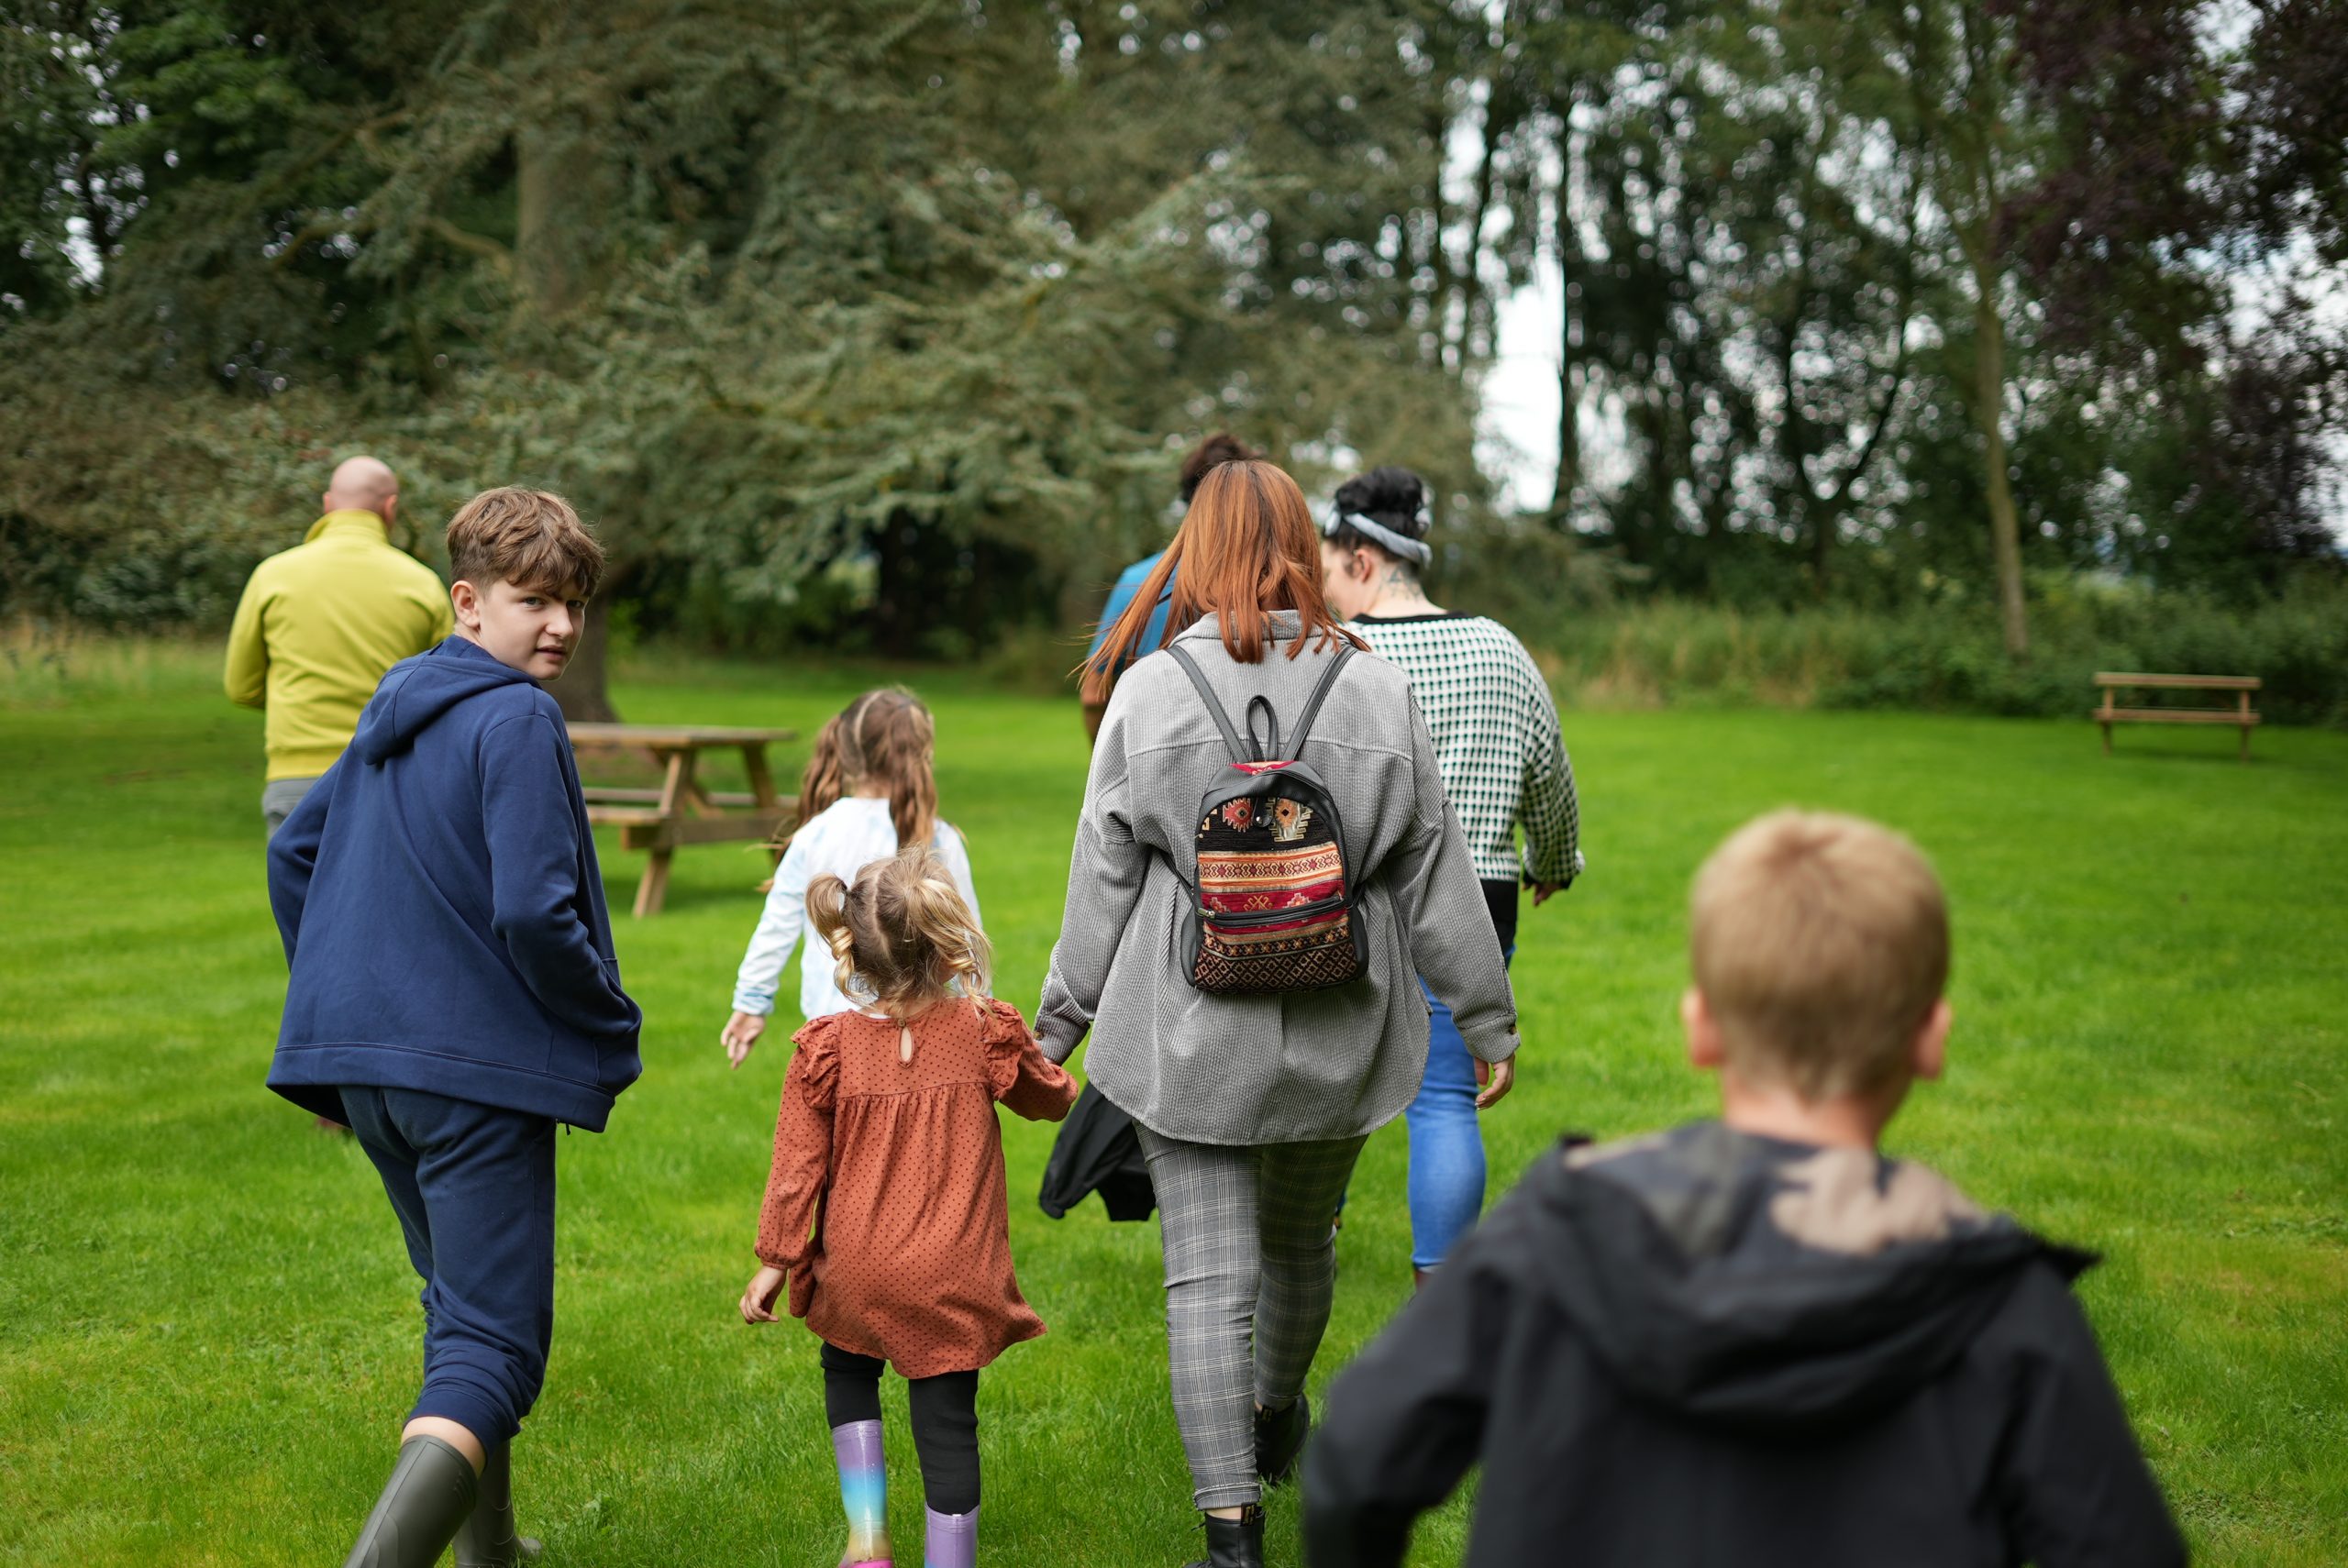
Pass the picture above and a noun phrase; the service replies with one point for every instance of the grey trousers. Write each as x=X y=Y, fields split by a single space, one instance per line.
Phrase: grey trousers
x=279 y=797
x=1251 y=1266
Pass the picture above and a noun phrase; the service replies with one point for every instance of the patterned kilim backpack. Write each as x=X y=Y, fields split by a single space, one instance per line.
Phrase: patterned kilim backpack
x=1273 y=909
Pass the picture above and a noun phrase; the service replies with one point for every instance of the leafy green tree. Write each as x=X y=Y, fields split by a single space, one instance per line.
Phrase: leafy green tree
x=883 y=321
x=770 y=290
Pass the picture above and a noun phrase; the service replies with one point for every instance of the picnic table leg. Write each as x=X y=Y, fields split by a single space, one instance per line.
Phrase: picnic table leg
x=2245 y=725
x=675 y=788
x=762 y=795
x=654 y=887
x=753 y=762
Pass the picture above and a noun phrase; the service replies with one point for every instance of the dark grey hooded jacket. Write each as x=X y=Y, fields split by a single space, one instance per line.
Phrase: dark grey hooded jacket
x=1706 y=1348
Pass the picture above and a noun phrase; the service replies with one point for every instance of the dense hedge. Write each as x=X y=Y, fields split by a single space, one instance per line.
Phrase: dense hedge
x=1601 y=644
x=1949 y=657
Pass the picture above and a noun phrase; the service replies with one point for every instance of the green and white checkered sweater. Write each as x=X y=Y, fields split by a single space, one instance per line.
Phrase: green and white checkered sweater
x=1496 y=739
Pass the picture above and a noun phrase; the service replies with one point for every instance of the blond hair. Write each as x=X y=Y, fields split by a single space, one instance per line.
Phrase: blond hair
x=530 y=538
x=901 y=934
x=1820 y=943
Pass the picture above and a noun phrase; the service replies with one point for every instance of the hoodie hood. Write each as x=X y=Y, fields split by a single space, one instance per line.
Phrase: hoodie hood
x=1764 y=1285
x=415 y=692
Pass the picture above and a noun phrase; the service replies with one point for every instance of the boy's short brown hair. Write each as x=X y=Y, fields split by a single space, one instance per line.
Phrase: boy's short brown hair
x=530 y=538
x=1820 y=943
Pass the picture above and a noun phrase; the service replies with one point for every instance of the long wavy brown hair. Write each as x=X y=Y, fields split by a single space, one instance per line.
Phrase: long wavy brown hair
x=1246 y=549
x=901 y=936
x=885 y=736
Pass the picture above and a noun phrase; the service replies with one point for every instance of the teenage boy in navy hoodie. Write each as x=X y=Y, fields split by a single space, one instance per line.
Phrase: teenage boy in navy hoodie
x=454 y=997
x=1756 y=1340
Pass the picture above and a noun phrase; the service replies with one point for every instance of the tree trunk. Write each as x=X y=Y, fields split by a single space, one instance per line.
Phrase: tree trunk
x=1476 y=342
x=1438 y=257
x=1804 y=514
x=561 y=189
x=1561 y=498
x=560 y=186
x=581 y=693
x=1989 y=407
x=1824 y=522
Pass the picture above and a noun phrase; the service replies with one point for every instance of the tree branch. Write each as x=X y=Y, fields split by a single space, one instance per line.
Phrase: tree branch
x=488 y=250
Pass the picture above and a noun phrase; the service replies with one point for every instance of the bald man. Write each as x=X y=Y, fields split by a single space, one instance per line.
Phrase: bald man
x=320 y=623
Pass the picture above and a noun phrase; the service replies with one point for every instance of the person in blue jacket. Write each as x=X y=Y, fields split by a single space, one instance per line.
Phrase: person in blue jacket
x=454 y=996
x=1215 y=452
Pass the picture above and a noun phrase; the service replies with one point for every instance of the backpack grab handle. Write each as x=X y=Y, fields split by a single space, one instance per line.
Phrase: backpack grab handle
x=1269 y=748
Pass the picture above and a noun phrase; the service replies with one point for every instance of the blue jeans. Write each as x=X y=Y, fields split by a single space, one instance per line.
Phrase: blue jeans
x=474 y=1187
x=1447 y=1146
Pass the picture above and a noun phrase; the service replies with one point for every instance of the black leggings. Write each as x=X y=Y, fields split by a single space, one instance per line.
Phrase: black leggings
x=945 y=1421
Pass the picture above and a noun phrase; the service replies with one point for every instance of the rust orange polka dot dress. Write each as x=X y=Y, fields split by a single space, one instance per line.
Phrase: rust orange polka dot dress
x=886 y=1202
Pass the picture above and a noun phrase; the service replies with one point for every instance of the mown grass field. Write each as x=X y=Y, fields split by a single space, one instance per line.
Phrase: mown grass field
x=208 y=1329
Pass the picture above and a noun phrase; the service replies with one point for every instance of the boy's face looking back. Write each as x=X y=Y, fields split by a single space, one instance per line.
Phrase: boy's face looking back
x=534 y=630
x=525 y=566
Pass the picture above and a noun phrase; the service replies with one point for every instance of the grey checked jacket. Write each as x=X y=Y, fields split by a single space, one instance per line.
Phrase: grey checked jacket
x=1276 y=1069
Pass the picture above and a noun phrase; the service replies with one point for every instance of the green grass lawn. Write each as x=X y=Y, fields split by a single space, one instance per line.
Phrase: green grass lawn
x=208 y=1329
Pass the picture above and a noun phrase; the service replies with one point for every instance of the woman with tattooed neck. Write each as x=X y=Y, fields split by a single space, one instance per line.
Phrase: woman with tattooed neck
x=1503 y=765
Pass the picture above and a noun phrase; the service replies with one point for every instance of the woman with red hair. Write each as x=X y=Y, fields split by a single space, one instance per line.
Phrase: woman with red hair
x=1252 y=1107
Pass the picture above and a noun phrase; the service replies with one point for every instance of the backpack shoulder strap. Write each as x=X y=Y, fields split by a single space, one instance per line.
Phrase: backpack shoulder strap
x=1221 y=720
x=1320 y=694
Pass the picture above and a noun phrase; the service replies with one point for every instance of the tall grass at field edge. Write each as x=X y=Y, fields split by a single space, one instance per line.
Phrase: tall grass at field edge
x=1661 y=653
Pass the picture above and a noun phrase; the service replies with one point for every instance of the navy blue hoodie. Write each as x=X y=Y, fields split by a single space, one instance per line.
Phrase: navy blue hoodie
x=442 y=911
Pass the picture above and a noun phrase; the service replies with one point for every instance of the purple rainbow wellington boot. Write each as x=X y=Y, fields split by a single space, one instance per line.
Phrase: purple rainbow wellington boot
x=949 y=1540
x=864 y=1493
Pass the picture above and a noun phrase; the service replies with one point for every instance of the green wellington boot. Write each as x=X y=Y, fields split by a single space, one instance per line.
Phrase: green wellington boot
x=430 y=1493
x=487 y=1539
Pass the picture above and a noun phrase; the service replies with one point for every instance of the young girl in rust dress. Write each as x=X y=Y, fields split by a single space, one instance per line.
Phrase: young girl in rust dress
x=885 y=1209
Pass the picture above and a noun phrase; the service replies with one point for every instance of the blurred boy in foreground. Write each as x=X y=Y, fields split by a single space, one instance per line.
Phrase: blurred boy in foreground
x=1757 y=1340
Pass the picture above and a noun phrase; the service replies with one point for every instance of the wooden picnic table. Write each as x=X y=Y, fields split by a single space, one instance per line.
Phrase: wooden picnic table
x=682 y=811
x=2111 y=684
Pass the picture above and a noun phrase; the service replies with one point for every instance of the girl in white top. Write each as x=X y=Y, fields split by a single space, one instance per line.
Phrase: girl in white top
x=868 y=792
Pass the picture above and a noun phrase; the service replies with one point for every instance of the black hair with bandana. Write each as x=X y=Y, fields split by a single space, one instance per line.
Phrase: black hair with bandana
x=1394 y=497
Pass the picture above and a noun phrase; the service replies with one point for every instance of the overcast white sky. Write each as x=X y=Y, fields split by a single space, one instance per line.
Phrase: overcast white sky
x=1520 y=424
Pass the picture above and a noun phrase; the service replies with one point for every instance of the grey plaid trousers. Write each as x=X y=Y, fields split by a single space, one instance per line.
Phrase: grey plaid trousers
x=1251 y=1267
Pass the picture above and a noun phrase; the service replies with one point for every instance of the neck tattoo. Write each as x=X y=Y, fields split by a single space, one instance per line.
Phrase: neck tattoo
x=1400 y=594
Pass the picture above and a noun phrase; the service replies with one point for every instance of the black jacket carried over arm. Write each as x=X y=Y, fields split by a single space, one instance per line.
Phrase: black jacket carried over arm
x=1098 y=1151
x=1706 y=1348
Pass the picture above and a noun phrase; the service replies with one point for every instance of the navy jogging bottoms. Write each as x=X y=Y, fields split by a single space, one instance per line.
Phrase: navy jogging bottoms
x=474 y=1187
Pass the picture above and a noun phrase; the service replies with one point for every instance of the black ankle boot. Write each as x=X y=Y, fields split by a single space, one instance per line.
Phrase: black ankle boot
x=487 y=1539
x=431 y=1491
x=1279 y=1438
x=1234 y=1543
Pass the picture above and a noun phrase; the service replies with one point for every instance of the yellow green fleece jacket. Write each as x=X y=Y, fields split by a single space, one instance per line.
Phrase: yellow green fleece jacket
x=317 y=628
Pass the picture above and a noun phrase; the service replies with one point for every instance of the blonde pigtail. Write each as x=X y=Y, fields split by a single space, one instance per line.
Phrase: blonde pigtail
x=959 y=952
x=827 y=916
